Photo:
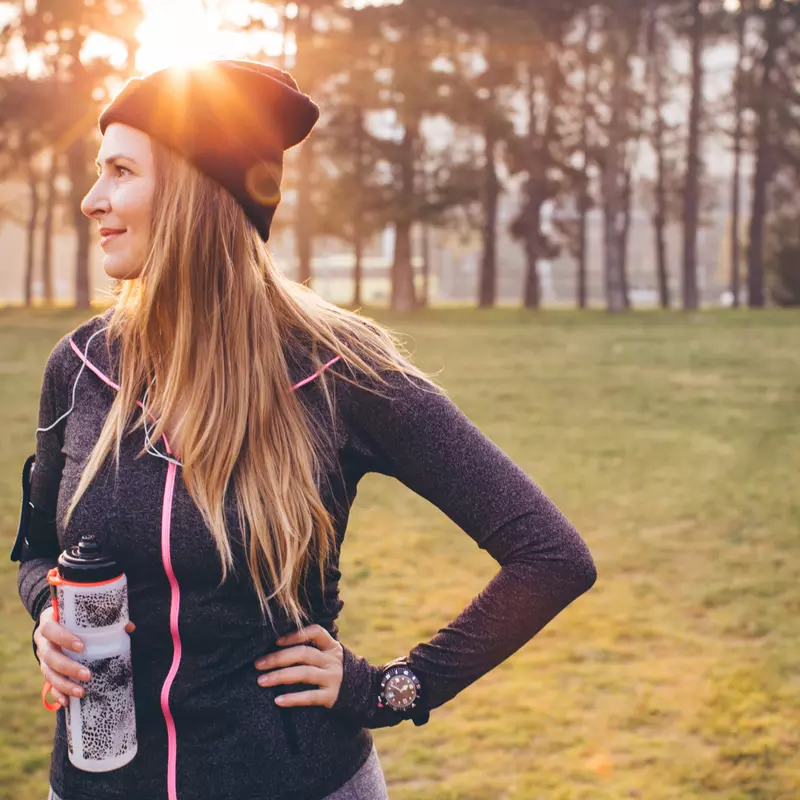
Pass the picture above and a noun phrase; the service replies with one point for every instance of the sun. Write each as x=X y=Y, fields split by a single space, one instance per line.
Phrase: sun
x=188 y=32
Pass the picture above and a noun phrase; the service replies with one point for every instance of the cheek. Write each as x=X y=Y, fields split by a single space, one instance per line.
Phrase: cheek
x=133 y=207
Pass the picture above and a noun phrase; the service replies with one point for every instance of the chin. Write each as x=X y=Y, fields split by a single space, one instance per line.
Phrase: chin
x=120 y=270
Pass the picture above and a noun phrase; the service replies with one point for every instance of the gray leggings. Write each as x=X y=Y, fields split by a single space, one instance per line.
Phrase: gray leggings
x=367 y=784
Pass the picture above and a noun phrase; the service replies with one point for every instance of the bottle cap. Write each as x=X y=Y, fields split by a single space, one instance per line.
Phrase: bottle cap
x=85 y=563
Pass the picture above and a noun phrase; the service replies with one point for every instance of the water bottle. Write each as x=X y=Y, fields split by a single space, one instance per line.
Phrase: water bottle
x=90 y=599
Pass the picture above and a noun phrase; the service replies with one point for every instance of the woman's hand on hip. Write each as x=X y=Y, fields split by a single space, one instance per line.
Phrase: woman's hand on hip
x=321 y=665
x=61 y=671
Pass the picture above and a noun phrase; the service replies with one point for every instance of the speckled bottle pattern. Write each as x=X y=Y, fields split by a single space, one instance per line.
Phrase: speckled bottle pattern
x=92 y=601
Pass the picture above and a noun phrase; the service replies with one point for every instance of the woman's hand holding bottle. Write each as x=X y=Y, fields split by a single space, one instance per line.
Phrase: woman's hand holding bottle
x=59 y=670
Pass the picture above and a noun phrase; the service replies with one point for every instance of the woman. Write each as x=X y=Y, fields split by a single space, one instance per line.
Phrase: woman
x=263 y=406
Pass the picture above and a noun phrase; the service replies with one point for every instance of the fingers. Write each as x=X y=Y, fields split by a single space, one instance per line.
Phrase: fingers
x=293 y=655
x=314 y=697
x=326 y=679
x=57 y=667
x=320 y=664
x=59 y=697
x=66 y=666
x=59 y=635
x=60 y=682
x=301 y=674
x=315 y=634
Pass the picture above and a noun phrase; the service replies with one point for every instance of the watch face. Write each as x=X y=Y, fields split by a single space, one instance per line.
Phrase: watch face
x=400 y=691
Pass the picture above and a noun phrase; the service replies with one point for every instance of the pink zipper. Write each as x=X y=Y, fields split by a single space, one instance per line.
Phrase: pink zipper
x=175 y=591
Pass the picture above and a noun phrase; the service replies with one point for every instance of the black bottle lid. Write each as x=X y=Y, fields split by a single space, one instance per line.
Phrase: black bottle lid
x=85 y=563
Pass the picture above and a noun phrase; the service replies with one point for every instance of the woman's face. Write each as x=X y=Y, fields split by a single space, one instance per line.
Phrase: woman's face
x=121 y=201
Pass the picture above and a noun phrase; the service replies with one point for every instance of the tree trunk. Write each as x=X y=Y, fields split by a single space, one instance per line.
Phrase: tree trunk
x=426 y=266
x=403 y=298
x=583 y=197
x=624 y=234
x=33 y=220
x=537 y=187
x=488 y=276
x=358 y=268
x=303 y=26
x=425 y=246
x=654 y=49
x=304 y=223
x=358 y=224
x=691 y=198
x=47 y=233
x=763 y=168
x=741 y=25
x=80 y=179
x=403 y=295
x=611 y=183
x=532 y=289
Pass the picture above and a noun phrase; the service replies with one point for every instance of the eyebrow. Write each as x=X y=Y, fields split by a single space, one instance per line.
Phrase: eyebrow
x=115 y=157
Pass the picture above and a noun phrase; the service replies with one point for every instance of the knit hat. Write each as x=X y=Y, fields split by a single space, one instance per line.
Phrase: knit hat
x=232 y=119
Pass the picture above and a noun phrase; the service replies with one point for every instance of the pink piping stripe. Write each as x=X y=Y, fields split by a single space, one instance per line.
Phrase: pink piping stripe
x=174 y=609
x=316 y=374
x=175 y=592
x=111 y=383
x=93 y=368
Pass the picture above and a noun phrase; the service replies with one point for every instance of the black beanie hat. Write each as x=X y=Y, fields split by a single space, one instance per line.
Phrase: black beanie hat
x=232 y=119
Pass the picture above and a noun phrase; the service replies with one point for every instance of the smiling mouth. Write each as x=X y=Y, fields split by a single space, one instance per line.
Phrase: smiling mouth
x=105 y=238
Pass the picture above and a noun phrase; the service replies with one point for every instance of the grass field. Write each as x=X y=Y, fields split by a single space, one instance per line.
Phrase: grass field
x=673 y=443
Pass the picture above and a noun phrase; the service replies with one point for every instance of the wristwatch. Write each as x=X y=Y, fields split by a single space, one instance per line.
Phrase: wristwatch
x=400 y=690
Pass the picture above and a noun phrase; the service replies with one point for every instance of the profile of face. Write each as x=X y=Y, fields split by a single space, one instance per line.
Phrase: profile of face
x=121 y=200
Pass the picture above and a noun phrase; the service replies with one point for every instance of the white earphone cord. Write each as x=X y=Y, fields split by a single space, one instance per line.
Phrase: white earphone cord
x=151 y=448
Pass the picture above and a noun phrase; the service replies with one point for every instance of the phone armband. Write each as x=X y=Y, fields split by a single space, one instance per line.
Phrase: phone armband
x=25 y=512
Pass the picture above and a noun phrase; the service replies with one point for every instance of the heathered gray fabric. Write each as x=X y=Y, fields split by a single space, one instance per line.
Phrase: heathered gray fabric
x=232 y=741
x=368 y=783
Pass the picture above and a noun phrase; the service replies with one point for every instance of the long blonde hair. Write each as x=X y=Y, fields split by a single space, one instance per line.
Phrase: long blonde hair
x=206 y=323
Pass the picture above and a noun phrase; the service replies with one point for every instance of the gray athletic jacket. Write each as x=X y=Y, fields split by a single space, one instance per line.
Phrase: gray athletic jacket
x=207 y=730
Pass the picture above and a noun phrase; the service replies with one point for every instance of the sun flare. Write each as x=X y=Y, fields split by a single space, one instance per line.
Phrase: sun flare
x=188 y=32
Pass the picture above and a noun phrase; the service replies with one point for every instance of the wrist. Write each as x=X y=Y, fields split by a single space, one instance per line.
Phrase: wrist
x=358 y=678
x=360 y=699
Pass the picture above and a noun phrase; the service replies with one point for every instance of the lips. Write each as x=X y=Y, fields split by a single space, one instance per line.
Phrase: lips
x=107 y=234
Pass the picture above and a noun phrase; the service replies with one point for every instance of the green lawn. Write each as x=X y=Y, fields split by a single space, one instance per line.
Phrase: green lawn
x=673 y=444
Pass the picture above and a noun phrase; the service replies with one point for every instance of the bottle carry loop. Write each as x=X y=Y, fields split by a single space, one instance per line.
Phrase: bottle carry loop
x=54 y=579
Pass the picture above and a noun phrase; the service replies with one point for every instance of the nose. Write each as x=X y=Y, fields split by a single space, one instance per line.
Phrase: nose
x=95 y=204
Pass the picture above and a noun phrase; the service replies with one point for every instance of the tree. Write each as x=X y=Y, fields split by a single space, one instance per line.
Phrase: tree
x=622 y=25
x=764 y=106
x=584 y=197
x=543 y=153
x=691 y=197
x=479 y=94
x=55 y=32
x=656 y=63
x=738 y=136
x=29 y=123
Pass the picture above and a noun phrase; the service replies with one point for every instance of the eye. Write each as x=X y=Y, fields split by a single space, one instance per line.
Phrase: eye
x=122 y=171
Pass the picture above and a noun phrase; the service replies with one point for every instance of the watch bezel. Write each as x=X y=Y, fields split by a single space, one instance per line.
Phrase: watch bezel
x=387 y=675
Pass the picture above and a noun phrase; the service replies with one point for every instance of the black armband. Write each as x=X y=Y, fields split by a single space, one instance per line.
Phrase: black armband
x=25 y=513
x=37 y=535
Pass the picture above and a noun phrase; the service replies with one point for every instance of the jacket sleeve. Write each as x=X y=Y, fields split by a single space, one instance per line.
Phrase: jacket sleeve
x=41 y=549
x=425 y=441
